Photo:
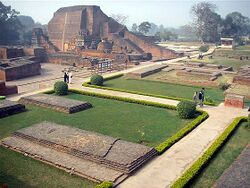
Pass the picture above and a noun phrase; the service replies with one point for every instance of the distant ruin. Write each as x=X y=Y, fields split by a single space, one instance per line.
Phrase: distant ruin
x=88 y=29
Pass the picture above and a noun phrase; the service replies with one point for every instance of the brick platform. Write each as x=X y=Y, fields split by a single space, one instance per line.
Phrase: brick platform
x=7 y=90
x=236 y=101
x=91 y=152
x=8 y=108
x=57 y=103
x=146 y=71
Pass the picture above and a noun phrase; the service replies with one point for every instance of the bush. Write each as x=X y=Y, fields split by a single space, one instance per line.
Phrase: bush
x=186 y=109
x=61 y=88
x=96 y=80
x=2 y=97
x=105 y=184
x=209 y=100
x=224 y=86
x=248 y=119
x=204 y=48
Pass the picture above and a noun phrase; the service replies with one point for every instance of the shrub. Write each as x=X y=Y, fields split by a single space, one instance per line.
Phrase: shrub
x=248 y=120
x=204 y=48
x=61 y=88
x=2 y=97
x=209 y=100
x=224 y=86
x=96 y=80
x=105 y=184
x=186 y=109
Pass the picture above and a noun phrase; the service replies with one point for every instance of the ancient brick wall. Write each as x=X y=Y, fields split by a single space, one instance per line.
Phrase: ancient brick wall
x=148 y=47
x=10 y=52
x=242 y=80
x=234 y=101
x=20 y=71
x=7 y=90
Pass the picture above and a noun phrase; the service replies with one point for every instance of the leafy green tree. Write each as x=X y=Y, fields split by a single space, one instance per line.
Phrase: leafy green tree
x=10 y=25
x=144 y=27
x=235 y=25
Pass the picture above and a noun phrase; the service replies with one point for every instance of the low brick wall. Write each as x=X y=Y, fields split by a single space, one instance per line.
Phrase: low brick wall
x=9 y=108
x=236 y=101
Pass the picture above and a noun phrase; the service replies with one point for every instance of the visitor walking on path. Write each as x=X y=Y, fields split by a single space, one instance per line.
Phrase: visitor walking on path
x=195 y=97
x=202 y=96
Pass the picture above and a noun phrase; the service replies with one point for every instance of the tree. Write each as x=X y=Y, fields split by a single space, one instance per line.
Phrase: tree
x=120 y=18
x=144 y=27
x=205 y=21
x=134 y=28
x=9 y=25
x=235 y=25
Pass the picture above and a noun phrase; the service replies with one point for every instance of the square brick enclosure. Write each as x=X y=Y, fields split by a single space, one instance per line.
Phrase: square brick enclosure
x=236 y=101
x=57 y=103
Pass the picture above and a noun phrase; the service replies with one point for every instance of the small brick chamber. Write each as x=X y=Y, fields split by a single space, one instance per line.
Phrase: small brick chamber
x=232 y=100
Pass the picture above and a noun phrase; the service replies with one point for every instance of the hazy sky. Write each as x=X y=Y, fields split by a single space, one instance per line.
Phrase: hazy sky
x=167 y=12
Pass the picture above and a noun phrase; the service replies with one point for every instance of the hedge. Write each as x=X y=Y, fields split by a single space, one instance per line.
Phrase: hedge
x=105 y=184
x=208 y=154
x=181 y=133
x=142 y=102
x=88 y=84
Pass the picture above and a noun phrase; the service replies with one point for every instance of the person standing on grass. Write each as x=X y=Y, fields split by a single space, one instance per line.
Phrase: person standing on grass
x=195 y=97
x=200 y=98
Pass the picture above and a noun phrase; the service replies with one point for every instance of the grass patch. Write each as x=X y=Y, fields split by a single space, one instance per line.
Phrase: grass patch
x=224 y=158
x=148 y=125
x=164 y=89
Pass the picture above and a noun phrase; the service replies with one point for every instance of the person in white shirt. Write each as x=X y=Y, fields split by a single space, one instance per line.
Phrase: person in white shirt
x=70 y=77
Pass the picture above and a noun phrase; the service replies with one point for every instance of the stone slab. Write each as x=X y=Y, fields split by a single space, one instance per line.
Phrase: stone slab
x=56 y=103
x=8 y=108
x=146 y=71
x=112 y=152
x=64 y=161
x=238 y=174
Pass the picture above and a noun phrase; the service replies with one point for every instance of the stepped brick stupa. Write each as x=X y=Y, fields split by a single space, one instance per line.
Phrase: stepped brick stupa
x=94 y=26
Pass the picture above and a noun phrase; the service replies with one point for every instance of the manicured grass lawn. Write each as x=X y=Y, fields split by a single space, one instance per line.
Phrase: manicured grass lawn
x=160 y=88
x=132 y=122
x=223 y=159
x=221 y=56
x=19 y=171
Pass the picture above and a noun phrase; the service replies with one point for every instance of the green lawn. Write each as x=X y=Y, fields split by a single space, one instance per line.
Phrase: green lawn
x=160 y=88
x=222 y=57
x=132 y=122
x=223 y=159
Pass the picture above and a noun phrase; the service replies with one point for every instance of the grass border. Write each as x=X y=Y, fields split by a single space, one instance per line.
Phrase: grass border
x=194 y=170
x=87 y=84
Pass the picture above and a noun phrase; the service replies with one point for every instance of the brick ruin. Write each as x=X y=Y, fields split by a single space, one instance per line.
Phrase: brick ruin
x=81 y=28
x=7 y=90
x=243 y=76
x=8 y=108
x=20 y=62
x=87 y=154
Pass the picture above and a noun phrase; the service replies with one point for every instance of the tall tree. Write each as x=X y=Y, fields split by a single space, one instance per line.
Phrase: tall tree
x=205 y=21
x=144 y=27
x=10 y=25
x=236 y=25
